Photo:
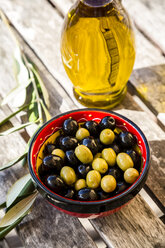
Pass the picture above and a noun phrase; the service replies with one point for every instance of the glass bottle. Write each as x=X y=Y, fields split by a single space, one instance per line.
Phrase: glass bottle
x=98 y=52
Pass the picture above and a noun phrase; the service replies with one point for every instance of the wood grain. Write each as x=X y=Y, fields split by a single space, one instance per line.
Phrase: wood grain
x=149 y=18
x=64 y=6
x=3 y=244
x=48 y=228
x=150 y=84
x=134 y=226
x=157 y=171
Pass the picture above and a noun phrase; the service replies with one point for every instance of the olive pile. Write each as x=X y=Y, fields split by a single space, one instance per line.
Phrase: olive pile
x=90 y=161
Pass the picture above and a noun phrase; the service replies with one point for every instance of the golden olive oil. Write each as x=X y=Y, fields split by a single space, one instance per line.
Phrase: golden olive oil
x=98 y=54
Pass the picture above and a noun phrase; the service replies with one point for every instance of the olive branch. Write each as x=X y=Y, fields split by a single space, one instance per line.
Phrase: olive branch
x=35 y=104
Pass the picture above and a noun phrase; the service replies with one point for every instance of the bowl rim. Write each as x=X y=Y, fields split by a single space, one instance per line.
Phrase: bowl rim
x=77 y=202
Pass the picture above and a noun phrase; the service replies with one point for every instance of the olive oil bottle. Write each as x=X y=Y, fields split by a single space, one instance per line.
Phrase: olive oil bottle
x=98 y=53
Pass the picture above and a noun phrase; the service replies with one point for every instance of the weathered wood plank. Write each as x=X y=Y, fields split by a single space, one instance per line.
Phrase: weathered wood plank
x=63 y=6
x=3 y=244
x=149 y=18
x=157 y=171
x=150 y=84
x=48 y=228
x=134 y=226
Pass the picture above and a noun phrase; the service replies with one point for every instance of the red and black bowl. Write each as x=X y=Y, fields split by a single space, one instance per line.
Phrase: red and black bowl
x=87 y=209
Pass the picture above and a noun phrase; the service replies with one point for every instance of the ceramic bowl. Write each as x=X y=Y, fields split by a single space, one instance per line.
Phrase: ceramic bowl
x=86 y=209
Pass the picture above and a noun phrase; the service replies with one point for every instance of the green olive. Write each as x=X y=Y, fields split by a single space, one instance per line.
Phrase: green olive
x=68 y=175
x=100 y=165
x=98 y=155
x=82 y=133
x=80 y=184
x=110 y=156
x=84 y=154
x=130 y=175
x=108 y=183
x=107 y=136
x=93 y=179
x=124 y=161
x=59 y=152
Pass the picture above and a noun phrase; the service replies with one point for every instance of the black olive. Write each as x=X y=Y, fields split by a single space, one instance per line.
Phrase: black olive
x=42 y=173
x=126 y=139
x=48 y=149
x=134 y=155
x=83 y=170
x=55 y=183
x=121 y=186
x=71 y=158
x=92 y=127
x=68 y=143
x=100 y=146
x=70 y=193
x=116 y=148
x=87 y=194
x=103 y=195
x=52 y=163
x=58 y=140
x=91 y=144
x=107 y=122
x=70 y=127
x=116 y=137
x=115 y=172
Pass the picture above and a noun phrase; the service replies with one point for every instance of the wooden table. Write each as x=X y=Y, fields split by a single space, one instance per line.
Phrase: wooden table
x=37 y=24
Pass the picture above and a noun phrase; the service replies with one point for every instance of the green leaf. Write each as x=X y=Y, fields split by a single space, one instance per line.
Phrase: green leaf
x=13 y=114
x=21 y=187
x=5 y=230
x=33 y=112
x=13 y=162
x=43 y=88
x=33 y=108
x=24 y=161
x=18 y=211
x=14 y=129
x=14 y=92
x=21 y=72
x=16 y=67
x=2 y=205
x=47 y=114
x=21 y=76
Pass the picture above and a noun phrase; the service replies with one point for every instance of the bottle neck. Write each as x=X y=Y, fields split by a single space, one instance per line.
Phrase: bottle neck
x=96 y=3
